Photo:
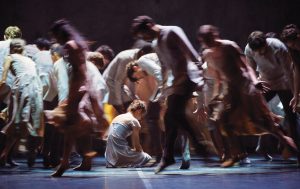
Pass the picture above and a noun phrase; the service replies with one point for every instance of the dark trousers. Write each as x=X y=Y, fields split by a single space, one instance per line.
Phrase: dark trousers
x=53 y=139
x=285 y=97
x=175 y=118
x=152 y=120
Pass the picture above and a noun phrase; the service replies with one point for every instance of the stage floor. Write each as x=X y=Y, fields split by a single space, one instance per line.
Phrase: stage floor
x=277 y=174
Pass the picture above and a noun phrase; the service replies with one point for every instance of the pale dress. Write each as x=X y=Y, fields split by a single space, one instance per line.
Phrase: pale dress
x=26 y=99
x=118 y=153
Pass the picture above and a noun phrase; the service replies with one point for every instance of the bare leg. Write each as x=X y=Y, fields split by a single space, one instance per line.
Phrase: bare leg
x=185 y=151
x=260 y=148
x=10 y=141
x=287 y=141
x=84 y=145
x=64 y=165
x=218 y=142
x=233 y=150
x=33 y=142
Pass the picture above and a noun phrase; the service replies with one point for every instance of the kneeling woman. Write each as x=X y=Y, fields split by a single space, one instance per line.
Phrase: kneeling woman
x=118 y=153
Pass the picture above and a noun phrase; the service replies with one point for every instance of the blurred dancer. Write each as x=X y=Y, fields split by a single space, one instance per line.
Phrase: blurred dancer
x=73 y=115
x=274 y=65
x=118 y=153
x=240 y=107
x=149 y=65
x=26 y=103
x=120 y=95
x=10 y=33
x=291 y=37
x=176 y=54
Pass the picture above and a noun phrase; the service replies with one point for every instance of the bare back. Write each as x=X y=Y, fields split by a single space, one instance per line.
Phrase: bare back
x=225 y=59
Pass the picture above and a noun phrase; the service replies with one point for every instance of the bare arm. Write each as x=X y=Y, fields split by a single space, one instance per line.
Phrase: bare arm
x=287 y=64
x=179 y=37
x=135 y=137
x=296 y=84
x=217 y=88
x=6 y=66
x=250 y=65
x=162 y=90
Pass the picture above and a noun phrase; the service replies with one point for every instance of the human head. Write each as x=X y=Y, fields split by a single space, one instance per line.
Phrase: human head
x=272 y=35
x=63 y=31
x=108 y=54
x=43 y=43
x=12 y=32
x=56 y=51
x=290 y=36
x=207 y=34
x=134 y=71
x=257 y=42
x=146 y=49
x=143 y=27
x=137 y=108
x=17 y=46
x=96 y=58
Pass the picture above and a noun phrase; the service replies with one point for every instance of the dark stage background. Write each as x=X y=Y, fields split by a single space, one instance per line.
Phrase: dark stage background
x=108 y=21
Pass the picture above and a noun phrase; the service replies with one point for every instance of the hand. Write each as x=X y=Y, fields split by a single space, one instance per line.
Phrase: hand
x=160 y=98
x=294 y=103
x=2 y=83
x=262 y=86
x=201 y=114
x=137 y=150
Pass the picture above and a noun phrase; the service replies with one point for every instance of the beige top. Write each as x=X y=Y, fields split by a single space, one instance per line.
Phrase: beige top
x=126 y=119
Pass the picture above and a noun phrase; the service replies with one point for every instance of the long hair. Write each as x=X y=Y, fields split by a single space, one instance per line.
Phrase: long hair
x=66 y=31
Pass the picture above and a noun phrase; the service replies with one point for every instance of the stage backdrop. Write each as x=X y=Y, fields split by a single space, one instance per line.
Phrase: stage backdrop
x=108 y=21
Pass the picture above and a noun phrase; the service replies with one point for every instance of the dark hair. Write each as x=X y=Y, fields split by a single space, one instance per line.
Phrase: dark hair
x=289 y=33
x=145 y=49
x=141 y=23
x=56 y=48
x=257 y=40
x=17 y=46
x=66 y=31
x=106 y=51
x=208 y=33
x=43 y=43
x=130 y=70
x=208 y=30
x=272 y=35
x=137 y=105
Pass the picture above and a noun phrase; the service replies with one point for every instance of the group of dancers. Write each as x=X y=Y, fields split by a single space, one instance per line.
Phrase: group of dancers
x=62 y=91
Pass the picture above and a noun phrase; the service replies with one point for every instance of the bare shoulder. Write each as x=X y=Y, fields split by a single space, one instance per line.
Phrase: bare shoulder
x=207 y=52
x=71 y=45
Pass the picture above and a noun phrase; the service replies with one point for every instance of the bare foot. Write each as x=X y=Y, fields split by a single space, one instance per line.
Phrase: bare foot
x=289 y=141
x=60 y=171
